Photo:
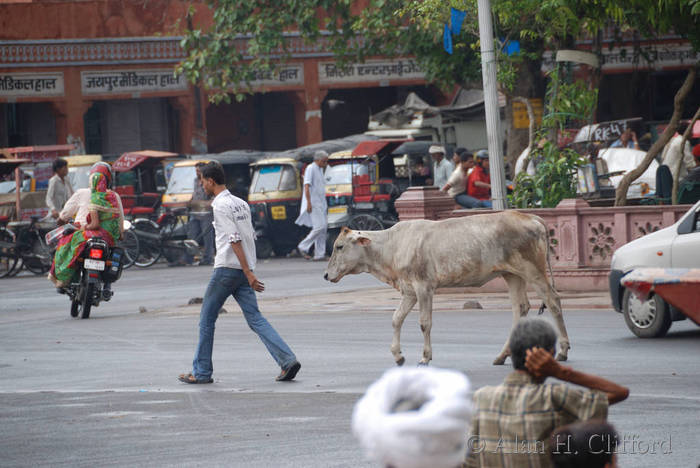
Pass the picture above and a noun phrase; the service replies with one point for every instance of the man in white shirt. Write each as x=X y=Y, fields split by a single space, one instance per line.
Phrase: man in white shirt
x=233 y=276
x=314 y=210
x=60 y=189
x=442 y=168
x=672 y=155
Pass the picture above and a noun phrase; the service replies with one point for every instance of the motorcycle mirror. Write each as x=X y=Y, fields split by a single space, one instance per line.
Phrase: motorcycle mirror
x=127 y=225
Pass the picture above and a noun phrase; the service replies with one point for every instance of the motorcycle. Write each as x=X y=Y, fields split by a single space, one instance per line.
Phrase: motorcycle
x=99 y=266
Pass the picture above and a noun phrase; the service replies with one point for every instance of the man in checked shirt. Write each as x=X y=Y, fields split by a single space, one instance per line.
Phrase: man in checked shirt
x=512 y=422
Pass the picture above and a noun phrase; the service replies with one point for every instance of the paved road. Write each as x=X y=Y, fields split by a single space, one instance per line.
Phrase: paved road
x=102 y=392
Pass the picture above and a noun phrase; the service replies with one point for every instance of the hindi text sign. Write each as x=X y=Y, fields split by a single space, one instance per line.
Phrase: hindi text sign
x=131 y=81
x=372 y=70
x=18 y=85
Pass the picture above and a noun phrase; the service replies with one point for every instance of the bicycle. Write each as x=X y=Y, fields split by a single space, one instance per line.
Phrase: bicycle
x=26 y=248
x=167 y=236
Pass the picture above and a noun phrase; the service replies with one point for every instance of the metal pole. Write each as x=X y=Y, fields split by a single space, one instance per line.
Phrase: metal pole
x=488 y=73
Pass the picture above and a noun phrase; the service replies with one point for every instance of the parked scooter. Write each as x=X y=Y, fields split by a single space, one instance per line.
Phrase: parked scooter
x=99 y=266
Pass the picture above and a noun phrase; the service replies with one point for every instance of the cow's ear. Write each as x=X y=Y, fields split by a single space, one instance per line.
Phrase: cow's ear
x=364 y=241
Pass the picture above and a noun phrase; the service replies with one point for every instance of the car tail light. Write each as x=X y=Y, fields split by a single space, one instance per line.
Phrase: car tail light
x=96 y=253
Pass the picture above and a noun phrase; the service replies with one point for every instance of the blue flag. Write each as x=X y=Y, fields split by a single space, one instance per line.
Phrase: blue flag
x=511 y=47
x=447 y=39
x=457 y=20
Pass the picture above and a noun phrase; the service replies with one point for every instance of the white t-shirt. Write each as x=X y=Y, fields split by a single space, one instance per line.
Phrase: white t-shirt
x=672 y=155
x=232 y=223
x=458 y=182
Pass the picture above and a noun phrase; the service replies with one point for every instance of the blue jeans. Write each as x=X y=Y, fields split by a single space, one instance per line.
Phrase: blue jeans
x=468 y=201
x=225 y=282
x=200 y=226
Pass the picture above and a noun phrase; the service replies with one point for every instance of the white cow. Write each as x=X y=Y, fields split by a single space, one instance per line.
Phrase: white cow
x=418 y=257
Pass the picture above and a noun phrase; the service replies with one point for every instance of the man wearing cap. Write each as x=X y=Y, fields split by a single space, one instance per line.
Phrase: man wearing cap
x=442 y=168
x=314 y=208
x=479 y=181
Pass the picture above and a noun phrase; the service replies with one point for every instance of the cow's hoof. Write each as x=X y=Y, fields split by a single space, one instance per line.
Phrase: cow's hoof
x=562 y=357
x=401 y=361
x=423 y=364
x=499 y=361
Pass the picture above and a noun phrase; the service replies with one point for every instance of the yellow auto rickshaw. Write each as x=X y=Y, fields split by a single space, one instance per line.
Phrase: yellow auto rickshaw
x=275 y=199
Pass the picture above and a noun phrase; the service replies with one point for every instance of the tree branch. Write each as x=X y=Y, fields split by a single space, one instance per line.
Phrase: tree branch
x=631 y=176
x=677 y=172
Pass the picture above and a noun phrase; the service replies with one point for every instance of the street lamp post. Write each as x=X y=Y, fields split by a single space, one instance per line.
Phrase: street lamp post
x=488 y=73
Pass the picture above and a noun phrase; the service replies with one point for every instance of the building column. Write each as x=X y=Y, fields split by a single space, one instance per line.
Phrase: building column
x=189 y=137
x=69 y=112
x=307 y=111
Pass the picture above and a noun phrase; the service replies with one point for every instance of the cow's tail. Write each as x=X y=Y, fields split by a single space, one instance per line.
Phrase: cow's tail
x=549 y=263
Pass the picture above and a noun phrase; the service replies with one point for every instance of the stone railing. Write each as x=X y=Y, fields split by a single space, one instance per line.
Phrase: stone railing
x=582 y=238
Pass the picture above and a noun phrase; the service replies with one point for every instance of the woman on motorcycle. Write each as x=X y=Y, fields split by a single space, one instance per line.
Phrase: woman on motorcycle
x=104 y=220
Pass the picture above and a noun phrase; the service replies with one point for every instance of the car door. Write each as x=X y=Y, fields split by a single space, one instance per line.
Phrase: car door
x=685 y=251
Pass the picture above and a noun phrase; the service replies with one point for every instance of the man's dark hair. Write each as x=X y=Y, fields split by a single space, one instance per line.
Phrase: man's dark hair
x=589 y=444
x=527 y=334
x=58 y=163
x=465 y=156
x=214 y=171
x=199 y=165
x=460 y=150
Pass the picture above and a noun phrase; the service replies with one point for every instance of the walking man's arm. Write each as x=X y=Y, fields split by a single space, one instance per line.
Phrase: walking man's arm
x=253 y=281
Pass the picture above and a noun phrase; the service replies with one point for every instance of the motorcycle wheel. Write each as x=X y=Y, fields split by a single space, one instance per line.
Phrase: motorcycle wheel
x=87 y=300
x=263 y=248
x=8 y=255
x=130 y=244
x=39 y=260
x=365 y=222
x=149 y=250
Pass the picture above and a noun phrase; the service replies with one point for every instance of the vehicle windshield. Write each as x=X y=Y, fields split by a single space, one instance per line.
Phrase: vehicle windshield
x=78 y=177
x=274 y=177
x=182 y=180
x=341 y=173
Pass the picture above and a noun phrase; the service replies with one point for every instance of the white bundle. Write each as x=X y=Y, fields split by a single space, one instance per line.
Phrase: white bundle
x=415 y=418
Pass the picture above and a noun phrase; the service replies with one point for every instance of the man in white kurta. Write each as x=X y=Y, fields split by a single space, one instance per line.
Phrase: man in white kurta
x=672 y=156
x=314 y=209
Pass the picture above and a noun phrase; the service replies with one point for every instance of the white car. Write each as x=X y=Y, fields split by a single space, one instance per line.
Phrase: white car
x=676 y=246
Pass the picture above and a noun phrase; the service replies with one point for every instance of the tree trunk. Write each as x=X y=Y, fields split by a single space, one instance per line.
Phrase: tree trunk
x=677 y=171
x=529 y=84
x=621 y=192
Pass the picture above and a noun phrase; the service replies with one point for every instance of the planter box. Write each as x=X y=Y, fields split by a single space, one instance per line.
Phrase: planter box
x=582 y=238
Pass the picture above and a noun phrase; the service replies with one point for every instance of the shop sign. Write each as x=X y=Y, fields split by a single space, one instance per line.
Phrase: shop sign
x=16 y=85
x=372 y=70
x=520 y=117
x=131 y=81
x=282 y=76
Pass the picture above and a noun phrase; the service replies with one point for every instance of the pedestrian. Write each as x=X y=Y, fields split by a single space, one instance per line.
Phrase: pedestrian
x=199 y=226
x=694 y=174
x=512 y=423
x=60 y=189
x=674 y=158
x=628 y=139
x=233 y=275
x=456 y=161
x=314 y=209
x=479 y=181
x=456 y=186
x=590 y=444
x=442 y=168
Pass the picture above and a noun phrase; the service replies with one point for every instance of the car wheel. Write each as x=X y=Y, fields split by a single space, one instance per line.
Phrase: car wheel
x=646 y=319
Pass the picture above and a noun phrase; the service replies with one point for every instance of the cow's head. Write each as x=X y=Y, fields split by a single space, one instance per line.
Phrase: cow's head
x=349 y=255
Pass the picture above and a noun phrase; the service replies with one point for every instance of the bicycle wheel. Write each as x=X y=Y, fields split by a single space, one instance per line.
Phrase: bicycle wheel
x=149 y=248
x=8 y=254
x=39 y=258
x=131 y=247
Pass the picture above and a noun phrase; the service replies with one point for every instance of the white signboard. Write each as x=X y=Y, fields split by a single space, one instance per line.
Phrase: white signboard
x=130 y=81
x=656 y=56
x=31 y=84
x=372 y=70
x=282 y=76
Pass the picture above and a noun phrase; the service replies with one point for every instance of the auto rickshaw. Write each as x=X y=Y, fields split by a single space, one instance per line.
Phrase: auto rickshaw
x=79 y=169
x=275 y=199
x=360 y=188
x=236 y=164
x=140 y=180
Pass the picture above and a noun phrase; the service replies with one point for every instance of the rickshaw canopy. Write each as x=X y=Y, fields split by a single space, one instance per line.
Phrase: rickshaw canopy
x=7 y=166
x=128 y=161
x=368 y=148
